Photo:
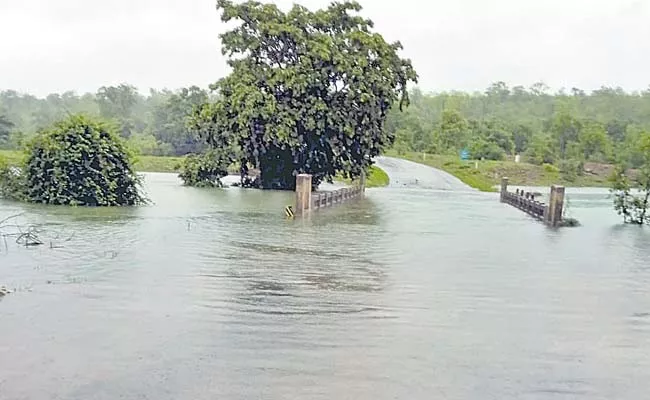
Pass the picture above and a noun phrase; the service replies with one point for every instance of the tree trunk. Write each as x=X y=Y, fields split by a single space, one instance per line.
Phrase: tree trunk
x=276 y=170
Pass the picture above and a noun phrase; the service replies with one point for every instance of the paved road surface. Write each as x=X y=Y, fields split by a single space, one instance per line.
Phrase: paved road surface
x=408 y=174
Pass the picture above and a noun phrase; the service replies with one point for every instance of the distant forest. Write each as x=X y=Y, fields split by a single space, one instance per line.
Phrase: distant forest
x=565 y=128
x=153 y=124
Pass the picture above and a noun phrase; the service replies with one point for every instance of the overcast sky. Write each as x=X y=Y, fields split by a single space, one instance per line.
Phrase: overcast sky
x=57 y=45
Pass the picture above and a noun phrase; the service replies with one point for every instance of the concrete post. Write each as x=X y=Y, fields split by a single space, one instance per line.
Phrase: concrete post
x=555 y=206
x=362 y=181
x=559 y=205
x=504 y=188
x=303 y=194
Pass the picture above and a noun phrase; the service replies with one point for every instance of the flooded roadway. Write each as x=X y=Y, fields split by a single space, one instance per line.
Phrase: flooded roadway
x=409 y=293
x=404 y=173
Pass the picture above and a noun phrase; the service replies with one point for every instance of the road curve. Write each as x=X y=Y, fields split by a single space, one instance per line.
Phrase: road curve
x=407 y=174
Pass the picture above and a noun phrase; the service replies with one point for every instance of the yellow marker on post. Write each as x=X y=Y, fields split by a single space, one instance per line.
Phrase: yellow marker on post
x=288 y=211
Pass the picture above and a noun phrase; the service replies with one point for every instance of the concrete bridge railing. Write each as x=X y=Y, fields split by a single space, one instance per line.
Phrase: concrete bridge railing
x=306 y=200
x=551 y=214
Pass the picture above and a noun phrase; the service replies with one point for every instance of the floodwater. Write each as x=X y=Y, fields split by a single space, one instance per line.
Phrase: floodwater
x=410 y=293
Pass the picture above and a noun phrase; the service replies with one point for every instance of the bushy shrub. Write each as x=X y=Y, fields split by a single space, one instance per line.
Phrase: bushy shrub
x=206 y=169
x=80 y=161
x=488 y=150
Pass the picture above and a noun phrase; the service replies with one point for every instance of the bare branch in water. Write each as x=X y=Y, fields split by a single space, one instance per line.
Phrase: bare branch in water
x=10 y=218
x=28 y=237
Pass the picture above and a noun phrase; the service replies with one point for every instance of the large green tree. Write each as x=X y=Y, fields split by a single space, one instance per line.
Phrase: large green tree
x=309 y=91
x=119 y=104
x=170 y=119
x=594 y=141
x=453 y=131
x=566 y=129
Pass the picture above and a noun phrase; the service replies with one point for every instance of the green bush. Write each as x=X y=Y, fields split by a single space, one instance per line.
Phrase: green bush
x=482 y=149
x=80 y=161
x=206 y=169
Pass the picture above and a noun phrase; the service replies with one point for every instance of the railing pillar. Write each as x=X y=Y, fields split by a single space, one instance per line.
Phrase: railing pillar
x=555 y=206
x=504 y=189
x=303 y=194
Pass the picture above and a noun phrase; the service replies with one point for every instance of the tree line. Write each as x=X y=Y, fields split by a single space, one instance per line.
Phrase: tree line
x=502 y=121
x=544 y=127
x=154 y=124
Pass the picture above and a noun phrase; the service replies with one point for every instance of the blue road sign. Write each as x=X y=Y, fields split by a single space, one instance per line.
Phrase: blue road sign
x=464 y=154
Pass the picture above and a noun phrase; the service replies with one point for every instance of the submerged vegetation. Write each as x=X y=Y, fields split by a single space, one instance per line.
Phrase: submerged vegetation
x=632 y=194
x=204 y=170
x=78 y=161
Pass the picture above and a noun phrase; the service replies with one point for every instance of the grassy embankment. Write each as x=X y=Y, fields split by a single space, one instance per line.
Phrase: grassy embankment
x=376 y=177
x=489 y=173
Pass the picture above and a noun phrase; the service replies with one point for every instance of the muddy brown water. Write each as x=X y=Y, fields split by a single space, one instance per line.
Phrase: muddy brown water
x=410 y=293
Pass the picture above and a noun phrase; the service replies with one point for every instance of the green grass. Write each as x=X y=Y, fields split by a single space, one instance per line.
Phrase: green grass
x=12 y=157
x=377 y=177
x=157 y=164
x=488 y=174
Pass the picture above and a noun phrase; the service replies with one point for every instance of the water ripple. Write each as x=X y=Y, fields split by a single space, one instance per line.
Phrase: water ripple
x=404 y=294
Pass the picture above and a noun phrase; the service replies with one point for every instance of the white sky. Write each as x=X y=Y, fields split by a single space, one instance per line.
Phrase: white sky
x=57 y=45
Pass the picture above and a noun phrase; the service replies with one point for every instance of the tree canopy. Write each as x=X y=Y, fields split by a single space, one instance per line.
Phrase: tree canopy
x=309 y=91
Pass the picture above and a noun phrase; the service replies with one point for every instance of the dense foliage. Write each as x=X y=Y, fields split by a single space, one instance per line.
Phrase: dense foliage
x=205 y=169
x=309 y=91
x=632 y=195
x=543 y=127
x=502 y=121
x=154 y=124
x=79 y=161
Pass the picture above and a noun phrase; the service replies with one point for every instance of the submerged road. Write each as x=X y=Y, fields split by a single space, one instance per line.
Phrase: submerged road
x=409 y=174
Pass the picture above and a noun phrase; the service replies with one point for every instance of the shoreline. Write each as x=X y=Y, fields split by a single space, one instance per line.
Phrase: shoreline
x=487 y=176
